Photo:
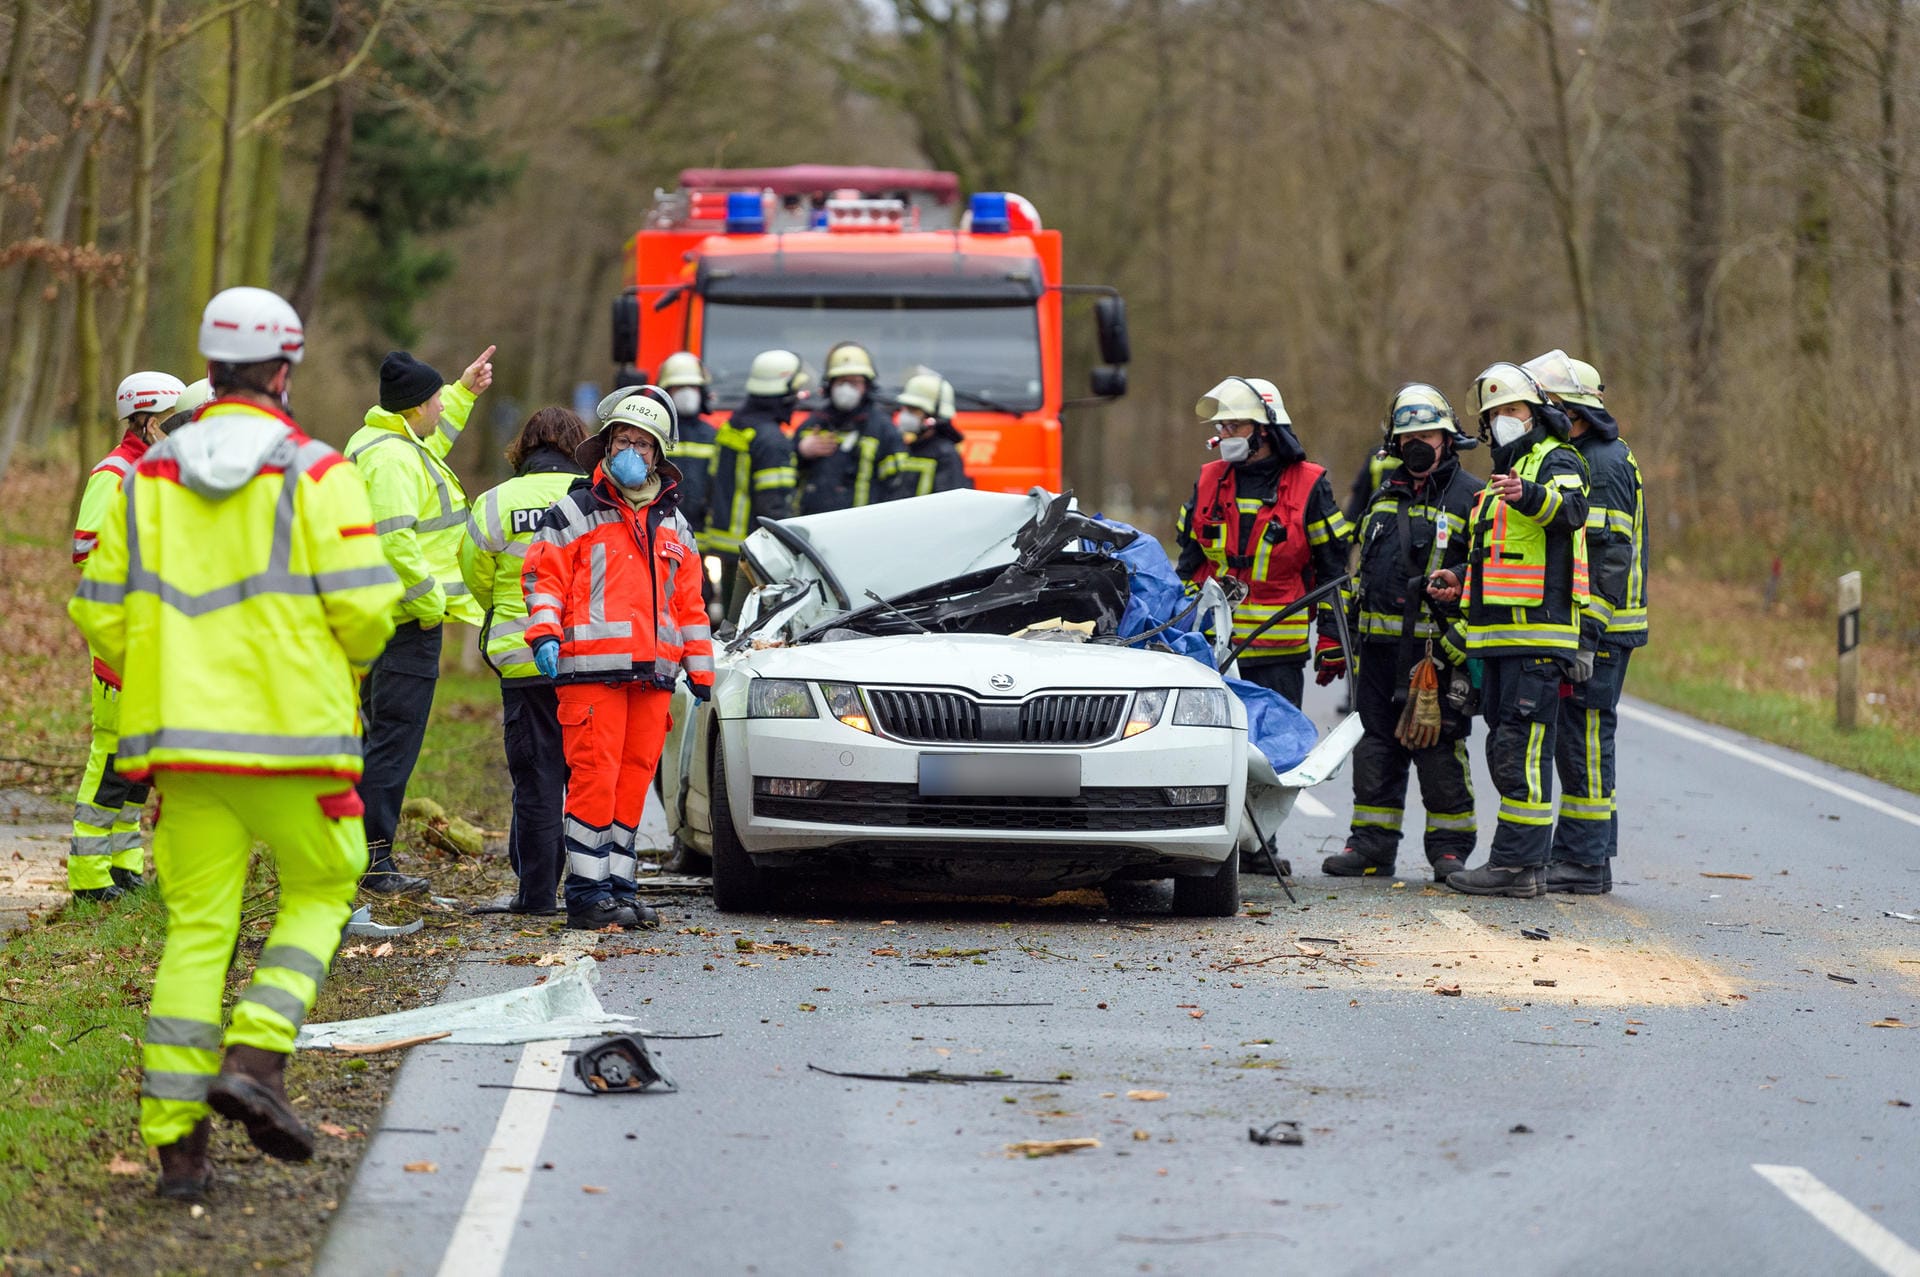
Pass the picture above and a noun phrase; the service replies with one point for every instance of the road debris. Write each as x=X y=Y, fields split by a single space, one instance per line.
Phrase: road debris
x=933 y=1075
x=361 y=923
x=392 y=1044
x=620 y=1065
x=1447 y=990
x=1520 y=1128
x=1146 y=1097
x=1281 y=1132
x=1050 y=1148
x=1534 y=933
x=1735 y=877
x=1546 y=984
x=1891 y=1022
x=1904 y=917
x=422 y=1168
x=1841 y=979
x=562 y=1006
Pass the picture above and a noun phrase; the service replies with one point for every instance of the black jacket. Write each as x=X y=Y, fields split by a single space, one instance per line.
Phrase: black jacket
x=694 y=454
x=932 y=462
x=1410 y=527
x=753 y=473
x=1616 y=533
x=864 y=468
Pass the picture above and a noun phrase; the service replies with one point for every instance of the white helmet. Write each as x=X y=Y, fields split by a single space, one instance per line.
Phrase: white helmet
x=1501 y=384
x=191 y=400
x=1243 y=399
x=850 y=359
x=153 y=392
x=251 y=326
x=776 y=372
x=1571 y=379
x=683 y=368
x=930 y=393
x=649 y=409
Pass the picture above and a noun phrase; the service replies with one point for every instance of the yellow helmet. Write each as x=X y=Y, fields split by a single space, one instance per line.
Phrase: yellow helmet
x=1504 y=383
x=1572 y=380
x=850 y=359
x=683 y=368
x=1243 y=399
x=930 y=393
x=1418 y=406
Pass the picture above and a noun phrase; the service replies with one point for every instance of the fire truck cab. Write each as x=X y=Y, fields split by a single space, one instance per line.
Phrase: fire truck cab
x=738 y=261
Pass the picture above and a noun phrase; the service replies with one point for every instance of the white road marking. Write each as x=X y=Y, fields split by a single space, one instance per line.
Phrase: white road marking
x=1844 y=1220
x=480 y=1239
x=1308 y=805
x=1868 y=801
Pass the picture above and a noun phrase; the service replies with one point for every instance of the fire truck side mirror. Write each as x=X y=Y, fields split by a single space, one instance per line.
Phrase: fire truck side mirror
x=1110 y=317
x=1109 y=383
x=626 y=328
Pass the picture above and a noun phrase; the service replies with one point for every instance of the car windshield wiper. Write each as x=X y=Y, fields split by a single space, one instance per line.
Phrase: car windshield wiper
x=993 y=404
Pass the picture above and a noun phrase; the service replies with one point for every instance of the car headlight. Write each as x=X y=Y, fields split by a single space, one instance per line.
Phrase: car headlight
x=780 y=698
x=843 y=702
x=1201 y=707
x=1146 y=711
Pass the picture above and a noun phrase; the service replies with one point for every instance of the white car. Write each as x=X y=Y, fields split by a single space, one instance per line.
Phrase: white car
x=930 y=691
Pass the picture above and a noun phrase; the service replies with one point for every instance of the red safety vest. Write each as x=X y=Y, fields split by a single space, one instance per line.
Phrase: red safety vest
x=1273 y=565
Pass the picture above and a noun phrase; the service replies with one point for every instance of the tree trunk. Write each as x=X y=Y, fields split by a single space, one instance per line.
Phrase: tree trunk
x=11 y=92
x=229 y=155
x=271 y=76
x=140 y=198
x=31 y=313
x=1815 y=73
x=328 y=182
x=1702 y=232
x=87 y=413
x=1571 y=196
x=1890 y=216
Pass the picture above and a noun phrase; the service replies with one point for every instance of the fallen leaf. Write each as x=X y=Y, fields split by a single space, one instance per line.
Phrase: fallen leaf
x=1196 y=1015
x=1146 y=1095
x=392 y=1044
x=125 y=1166
x=422 y=1168
x=808 y=1006
x=328 y=1128
x=1891 y=1022
x=1448 y=990
x=885 y=951
x=592 y=1188
x=385 y=949
x=1735 y=877
x=1143 y=1135
x=1050 y=1148
x=1547 y=984
x=551 y=960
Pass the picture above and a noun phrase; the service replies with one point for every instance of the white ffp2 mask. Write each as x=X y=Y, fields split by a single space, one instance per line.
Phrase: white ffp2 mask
x=1234 y=451
x=1508 y=429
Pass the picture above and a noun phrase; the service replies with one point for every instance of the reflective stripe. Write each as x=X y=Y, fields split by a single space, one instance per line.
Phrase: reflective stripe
x=543 y=616
x=695 y=663
x=496 y=535
x=775 y=477
x=419 y=590
x=542 y=600
x=355 y=578
x=283 y=1004
x=272 y=745
x=398 y=523
x=1574 y=808
x=1463 y=820
x=124 y=840
x=441 y=522
x=594 y=664
x=189 y=1087
x=260 y=585
x=448 y=516
x=90 y=845
x=455 y=589
x=173 y=1030
x=1564 y=636
x=620 y=865
x=101 y=591
x=1518 y=812
x=94 y=817
x=574 y=523
x=507 y=629
x=597 y=582
x=599 y=630
x=1377 y=817
x=693 y=632
x=589 y=865
x=623 y=836
x=288 y=958
x=1536 y=741
x=581 y=832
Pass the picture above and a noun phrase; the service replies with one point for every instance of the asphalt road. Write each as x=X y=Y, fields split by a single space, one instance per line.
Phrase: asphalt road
x=1692 y=1033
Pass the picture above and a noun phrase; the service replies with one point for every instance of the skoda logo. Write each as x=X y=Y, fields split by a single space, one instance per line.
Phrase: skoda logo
x=1000 y=682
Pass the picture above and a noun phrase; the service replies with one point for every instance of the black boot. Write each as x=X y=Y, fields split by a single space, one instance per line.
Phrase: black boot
x=186 y=1172
x=100 y=895
x=252 y=1090
x=1446 y=865
x=383 y=878
x=1578 y=880
x=1349 y=863
x=597 y=915
x=644 y=914
x=1522 y=883
x=129 y=879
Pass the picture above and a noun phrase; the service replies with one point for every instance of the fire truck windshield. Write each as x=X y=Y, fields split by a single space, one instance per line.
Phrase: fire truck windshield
x=988 y=352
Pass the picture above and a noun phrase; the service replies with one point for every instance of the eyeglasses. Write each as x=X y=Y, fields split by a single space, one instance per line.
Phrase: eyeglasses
x=1236 y=427
x=1410 y=415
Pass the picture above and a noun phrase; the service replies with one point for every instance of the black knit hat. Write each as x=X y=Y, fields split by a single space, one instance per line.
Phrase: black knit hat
x=405 y=382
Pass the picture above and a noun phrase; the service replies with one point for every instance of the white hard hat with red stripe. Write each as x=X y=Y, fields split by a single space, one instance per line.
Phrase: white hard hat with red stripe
x=251 y=326
x=153 y=392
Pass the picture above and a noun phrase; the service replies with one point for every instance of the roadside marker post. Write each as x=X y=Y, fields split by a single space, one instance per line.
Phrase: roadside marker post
x=1847 y=698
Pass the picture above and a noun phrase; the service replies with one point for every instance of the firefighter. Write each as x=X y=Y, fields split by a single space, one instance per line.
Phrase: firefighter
x=1265 y=516
x=613 y=593
x=753 y=473
x=238 y=588
x=492 y=555
x=932 y=461
x=1415 y=524
x=1521 y=593
x=683 y=376
x=419 y=510
x=849 y=452
x=1586 y=836
x=105 y=859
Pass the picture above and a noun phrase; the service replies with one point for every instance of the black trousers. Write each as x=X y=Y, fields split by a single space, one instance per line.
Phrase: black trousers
x=1588 y=830
x=1521 y=700
x=537 y=762
x=1381 y=764
x=1287 y=676
x=395 y=701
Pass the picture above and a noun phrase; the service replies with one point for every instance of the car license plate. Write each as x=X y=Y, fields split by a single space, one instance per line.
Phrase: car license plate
x=1000 y=775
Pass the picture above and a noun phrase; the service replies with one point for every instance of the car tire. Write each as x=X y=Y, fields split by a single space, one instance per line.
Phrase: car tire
x=1215 y=896
x=739 y=885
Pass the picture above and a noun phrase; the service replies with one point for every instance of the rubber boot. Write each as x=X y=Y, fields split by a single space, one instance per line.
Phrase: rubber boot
x=1445 y=866
x=1522 y=883
x=252 y=1090
x=129 y=879
x=1348 y=863
x=186 y=1172
x=1578 y=880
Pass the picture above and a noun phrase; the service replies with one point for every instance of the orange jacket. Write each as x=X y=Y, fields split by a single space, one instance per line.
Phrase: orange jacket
x=619 y=587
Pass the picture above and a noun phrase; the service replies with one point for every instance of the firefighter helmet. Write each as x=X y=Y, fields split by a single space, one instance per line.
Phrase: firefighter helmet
x=1418 y=406
x=776 y=372
x=191 y=400
x=1504 y=383
x=930 y=393
x=683 y=368
x=1572 y=380
x=850 y=359
x=1243 y=399
x=149 y=392
x=251 y=326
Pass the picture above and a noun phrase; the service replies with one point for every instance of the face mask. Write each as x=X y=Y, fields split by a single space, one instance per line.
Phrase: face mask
x=846 y=396
x=1234 y=451
x=628 y=468
x=1508 y=429
x=686 y=401
x=1418 y=456
x=910 y=422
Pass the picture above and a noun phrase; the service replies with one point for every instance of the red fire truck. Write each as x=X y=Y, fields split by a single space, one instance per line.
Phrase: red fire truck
x=737 y=261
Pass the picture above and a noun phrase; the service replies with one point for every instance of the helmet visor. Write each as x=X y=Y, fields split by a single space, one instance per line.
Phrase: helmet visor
x=1419 y=416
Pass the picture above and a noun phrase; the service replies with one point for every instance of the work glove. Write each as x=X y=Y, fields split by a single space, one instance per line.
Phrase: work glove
x=701 y=692
x=1579 y=666
x=1330 y=659
x=546 y=657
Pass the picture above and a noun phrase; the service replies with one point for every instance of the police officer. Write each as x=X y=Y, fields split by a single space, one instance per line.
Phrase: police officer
x=932 y=461
x=1414 y=525
x=1265 y=516
x=753 y=469
x=849 y=451
x=1586 y=836
x=1522 y=590
x=419 y=510
x=238 y=588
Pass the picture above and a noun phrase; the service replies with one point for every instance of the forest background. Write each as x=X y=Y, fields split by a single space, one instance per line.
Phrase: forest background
x=1712 y=200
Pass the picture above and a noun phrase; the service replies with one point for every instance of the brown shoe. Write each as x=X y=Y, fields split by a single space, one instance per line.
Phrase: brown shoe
x=251 y=1089
x=186 y=1172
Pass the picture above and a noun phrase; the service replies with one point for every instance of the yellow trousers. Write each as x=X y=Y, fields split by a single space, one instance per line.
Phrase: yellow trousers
x=202 y=840
x=106 y=812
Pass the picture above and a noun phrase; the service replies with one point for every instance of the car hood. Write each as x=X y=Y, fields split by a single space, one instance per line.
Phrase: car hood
x=971 y=661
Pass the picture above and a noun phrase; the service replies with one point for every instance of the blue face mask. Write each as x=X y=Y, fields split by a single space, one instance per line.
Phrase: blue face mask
x=628 y=468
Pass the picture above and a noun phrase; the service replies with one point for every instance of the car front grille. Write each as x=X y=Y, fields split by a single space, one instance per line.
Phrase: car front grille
x=954 y=718
x=902 y=806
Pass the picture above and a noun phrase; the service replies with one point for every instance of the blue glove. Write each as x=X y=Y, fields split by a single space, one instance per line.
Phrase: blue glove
x=546 y=657
x=701 y=692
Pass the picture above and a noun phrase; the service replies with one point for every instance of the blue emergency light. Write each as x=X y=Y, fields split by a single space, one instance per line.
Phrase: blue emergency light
x=746 y=215
x=988 y=213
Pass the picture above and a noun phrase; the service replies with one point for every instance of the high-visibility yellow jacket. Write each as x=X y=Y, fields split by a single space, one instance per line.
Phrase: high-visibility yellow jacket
x=103 y=485
x=236 y=588
x=419 y=508
x=1526 y=580
x=493 y=554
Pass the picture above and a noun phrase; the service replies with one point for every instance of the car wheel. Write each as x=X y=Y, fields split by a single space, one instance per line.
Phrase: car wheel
x=1215 y=896
x=739 y=885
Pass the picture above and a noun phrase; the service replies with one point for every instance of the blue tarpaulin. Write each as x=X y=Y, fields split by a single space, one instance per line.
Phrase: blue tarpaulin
x=1155 y=595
